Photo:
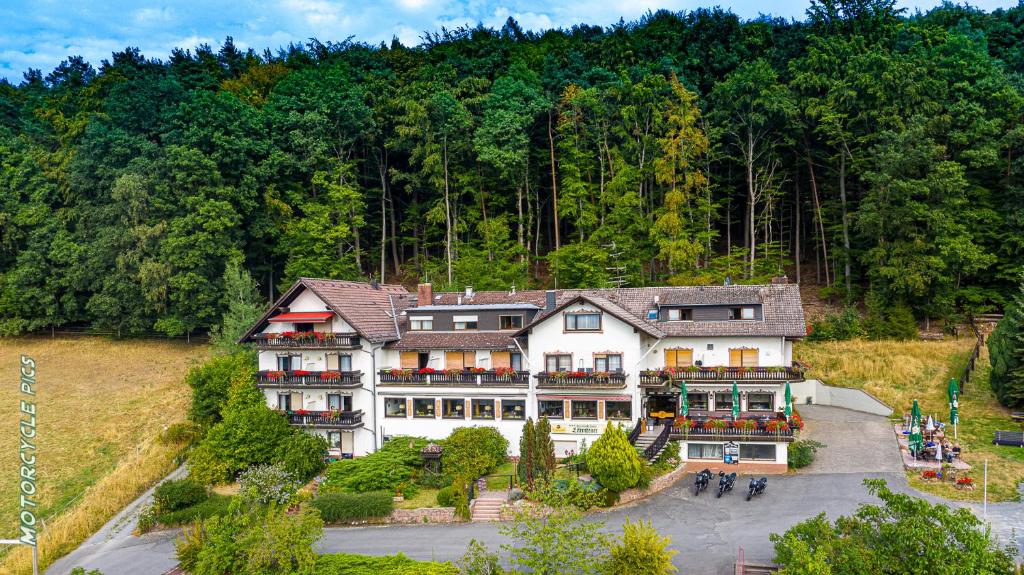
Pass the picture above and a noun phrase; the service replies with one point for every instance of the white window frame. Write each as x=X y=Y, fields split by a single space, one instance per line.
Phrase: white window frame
x=421 y=323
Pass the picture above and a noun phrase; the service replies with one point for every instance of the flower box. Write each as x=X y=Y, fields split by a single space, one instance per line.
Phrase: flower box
x=330 y=376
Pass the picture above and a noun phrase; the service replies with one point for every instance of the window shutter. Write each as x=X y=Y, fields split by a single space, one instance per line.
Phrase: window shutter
x=670 y=358
x=410 y=360
x=501 y=359
x=468 y=359
x=453 y=360
x=750 y=357
x=735 y=357
x=297 y=401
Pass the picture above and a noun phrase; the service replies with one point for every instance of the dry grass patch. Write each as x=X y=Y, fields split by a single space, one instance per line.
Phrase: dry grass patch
x=101 y=403
x=899 y=372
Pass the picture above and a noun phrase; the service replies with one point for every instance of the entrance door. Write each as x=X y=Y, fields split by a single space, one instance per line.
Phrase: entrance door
x=663 y=407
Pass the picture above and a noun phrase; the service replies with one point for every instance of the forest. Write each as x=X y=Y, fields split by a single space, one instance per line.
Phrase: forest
x=871 y=152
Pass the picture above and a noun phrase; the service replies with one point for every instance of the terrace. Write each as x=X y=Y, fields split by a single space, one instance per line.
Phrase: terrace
x=659 y=377
x=298 y=377
x=585 y=379
x=751 y=426
x=307 y=340
x=454 y=377
x=326 y=419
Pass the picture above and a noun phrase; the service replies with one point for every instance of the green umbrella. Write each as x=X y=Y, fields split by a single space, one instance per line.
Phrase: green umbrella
x=789 y=402
x=953 y=391
x=735 y=401
x=684 y=407
x=915 y=441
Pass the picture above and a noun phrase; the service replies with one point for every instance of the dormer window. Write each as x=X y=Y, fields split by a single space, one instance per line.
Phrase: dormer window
x=583 y=321
x=510 y=322
x=421 y=323
x=741 y=313
x=680 y=314
x=465 y=322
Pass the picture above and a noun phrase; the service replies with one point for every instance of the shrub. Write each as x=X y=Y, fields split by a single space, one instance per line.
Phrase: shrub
x=346 y=507
x=801 y=453
x=212 y=381
x=446 y=497
x=206 y=467
x=647 y=475
x=394 y=465
x=178 y=494
x=460 y=493
x=641 y=550
x=214 y=505
x=435 y=480
x=302 y=455
x=613 y=461
x=557 y=542
x=889 y=321
x=348 y=564
x=82 y=571
x=182 y=432
x=147 y=520
x=263 y=484
x=479 y=561
x=568 y=492
x=474 y=451
x=837 y=327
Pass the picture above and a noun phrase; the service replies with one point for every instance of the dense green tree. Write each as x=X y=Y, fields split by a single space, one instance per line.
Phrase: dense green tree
x=1006 y=350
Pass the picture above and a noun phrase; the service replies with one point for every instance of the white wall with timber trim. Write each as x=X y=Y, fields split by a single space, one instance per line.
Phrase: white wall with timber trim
x=781 y=453
x=772 y=351
x=307 y=301
x=392 y=358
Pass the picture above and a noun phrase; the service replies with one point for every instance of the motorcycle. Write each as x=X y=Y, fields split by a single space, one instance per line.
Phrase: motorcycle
x=725 y=482
x=700 y=482
x=757 y=487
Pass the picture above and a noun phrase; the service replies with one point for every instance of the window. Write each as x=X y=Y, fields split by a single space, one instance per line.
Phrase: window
x=584 y=409
x=760 y=401
x=679 y=314
x=757 y=452
x=284 y=401
x=394 y=407
x=608 y=362
x=618 y=409
x=334 y=401
x=414 y=359
x=723 y=400
x=453 y=408
x=513 y=409
x=422 y=407
x=334 y=439
x=510 y=322
x=678 y=357
x=465 y=322
x=303 y=327
x=421 y=323
x=551 y=408
x=517 y=361
x=483 y=409
x=583 y=321
x=743 y=357
x=741 y=313
x=697 y=401
x=289 y=362
x=339 y=362
x=704 y=451
x=558 y=362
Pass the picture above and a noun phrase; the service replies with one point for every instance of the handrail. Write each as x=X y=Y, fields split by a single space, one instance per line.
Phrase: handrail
x=652 y=450
x=722 y=373
x=325 y=378
x=635 y=434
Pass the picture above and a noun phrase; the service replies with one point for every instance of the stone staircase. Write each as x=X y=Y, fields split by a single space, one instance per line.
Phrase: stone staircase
x=646 y=439
x=487 y=506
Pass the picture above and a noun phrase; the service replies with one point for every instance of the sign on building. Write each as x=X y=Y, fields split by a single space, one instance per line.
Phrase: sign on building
x=731 y=452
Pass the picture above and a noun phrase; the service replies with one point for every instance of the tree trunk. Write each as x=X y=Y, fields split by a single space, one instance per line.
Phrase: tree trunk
x=394 y=232
x=817 y=209
x=796 y=219
x=447 y=213
x=554 y=181
x=383 y=215
x=751 y=199
x=846 y=225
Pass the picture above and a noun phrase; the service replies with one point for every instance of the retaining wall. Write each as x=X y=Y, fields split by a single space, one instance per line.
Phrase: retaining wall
x=424 y=515
x=847 y=398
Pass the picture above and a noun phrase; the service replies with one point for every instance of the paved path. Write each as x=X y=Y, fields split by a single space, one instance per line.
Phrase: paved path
x=856 y=442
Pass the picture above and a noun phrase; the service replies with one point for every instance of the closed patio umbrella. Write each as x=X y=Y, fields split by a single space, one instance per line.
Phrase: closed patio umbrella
x=789 y=402
x=915 y=441
x=930 y=425
x=953 y=391
x=938 y=451
x=735 y=402
x=684 y=405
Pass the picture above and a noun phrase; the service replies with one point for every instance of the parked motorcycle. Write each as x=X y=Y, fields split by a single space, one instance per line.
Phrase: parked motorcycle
x=725 y=482
x=700 y=482
x=757 y=487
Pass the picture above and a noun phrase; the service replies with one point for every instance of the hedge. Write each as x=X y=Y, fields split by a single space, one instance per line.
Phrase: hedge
x=178 y=494
x=345 y=507
x=349 y=564
x=216 y=504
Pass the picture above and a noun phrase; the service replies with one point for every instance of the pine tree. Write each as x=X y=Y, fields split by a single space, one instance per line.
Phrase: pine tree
x=243 y=306
x=527 y=453
x=1006 y=351
x=544 y=448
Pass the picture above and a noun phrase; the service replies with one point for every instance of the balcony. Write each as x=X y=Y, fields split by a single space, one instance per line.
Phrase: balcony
x=659 y=377
x=751 y=426
x=454 y=377
x=585 y=379
x=328 y=419
x=330 y=379
x=307 y=340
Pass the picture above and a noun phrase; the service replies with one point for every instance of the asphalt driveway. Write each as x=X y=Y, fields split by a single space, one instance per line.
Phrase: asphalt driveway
x=856 y=442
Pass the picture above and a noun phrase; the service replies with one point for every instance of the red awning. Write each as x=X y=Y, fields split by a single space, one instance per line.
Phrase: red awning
x=302 y=317
x=588 y=397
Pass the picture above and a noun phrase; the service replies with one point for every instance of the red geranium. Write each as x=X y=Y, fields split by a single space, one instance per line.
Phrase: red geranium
x=427 y=371
x=964 y=481
x=929 y=474
x=274 y=375
x=330 y=376
x=300 y=372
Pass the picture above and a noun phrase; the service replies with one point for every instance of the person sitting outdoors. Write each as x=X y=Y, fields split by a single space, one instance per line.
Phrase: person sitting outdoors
x=955 y=451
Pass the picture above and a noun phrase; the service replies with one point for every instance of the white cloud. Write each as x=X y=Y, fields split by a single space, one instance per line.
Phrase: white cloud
x=316 y=13
x=148 y=16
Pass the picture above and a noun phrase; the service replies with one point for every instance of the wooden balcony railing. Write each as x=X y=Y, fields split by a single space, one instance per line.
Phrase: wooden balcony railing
x=753 y=428
x=337 y=419
x=615 y=379
x=448 y=377
x=307 y=340
x=657 y=377
x=344 y=379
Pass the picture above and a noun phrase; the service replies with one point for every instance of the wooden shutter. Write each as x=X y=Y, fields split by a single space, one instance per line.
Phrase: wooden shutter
x=297 y=402
x=735 y=357
x=469 y=359
x=750 y=357
x=453 y=360
x=332 y=362
x=410 y=360
x=670 y=358
x=501 y=359
x=678 y=357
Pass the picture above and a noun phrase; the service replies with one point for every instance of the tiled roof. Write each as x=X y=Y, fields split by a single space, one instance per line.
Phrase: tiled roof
x=455 y=341
x=536 y=297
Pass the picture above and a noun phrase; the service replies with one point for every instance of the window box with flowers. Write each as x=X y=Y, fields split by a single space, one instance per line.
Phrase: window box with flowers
x=682 y=425
x=776 y=426
x=300 y=373
x=275 y=375
x=330 y=376
x=477 y=370
x=400 y=373
x=504 y=372
x=744 y=426
x=716 y=426
x=427 y=371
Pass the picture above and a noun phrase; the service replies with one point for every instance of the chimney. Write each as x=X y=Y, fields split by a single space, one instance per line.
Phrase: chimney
x=424 y=294
x=513 y=291
x=549 y=300
x=469 y=292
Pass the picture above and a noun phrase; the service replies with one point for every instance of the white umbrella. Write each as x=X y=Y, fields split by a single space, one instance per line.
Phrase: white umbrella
x=938 y=451
x=930 y=425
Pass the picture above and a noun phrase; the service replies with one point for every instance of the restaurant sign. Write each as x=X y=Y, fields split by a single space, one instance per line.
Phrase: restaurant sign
x=581 y=428
x=731 y=452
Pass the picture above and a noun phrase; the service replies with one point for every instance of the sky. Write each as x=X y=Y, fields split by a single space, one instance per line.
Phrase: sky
x=42 y=33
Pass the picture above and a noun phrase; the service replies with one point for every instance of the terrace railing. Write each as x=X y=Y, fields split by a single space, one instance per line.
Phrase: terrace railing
x=614 y=379
x=496 y=378
x=307 y=340
x=343 y=379
x=347 y=419
x=760 y=431
x=658 y=377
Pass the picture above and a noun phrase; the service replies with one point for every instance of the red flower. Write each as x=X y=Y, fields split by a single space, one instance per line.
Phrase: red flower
x=301 y=412
x=477 y=370
x=300 y=372
x=274 y=375
x=929 y=474
x=330 y=376
x=427 y=371
x=964 y=481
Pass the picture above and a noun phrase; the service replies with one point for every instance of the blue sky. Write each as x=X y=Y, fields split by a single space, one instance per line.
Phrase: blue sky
x=41 y=33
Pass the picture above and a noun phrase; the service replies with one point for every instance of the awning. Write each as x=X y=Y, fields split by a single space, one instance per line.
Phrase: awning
x=588 y=397
x=302 y=317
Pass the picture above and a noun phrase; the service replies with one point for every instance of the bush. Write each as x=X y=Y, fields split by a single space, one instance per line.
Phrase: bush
x=212 y=506
x=435 y=480
x=474 y=451
x=264 y=484
x=446 y=497
x=801 y=453
x=889 y=322
x=183 y=432
x=837 y=327
x=212 y=381
x=1006 y=351
x=479 y=561
x=206 y=467
x=568 y=492
x=613 y=461
x=346 y=507
x=348 y=564
x=640 y=551
x=178 y=494
x=394 y=465
x=647 y=475
x=302 y=455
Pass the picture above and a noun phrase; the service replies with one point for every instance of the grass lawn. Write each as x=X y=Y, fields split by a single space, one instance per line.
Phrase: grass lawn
x=425 y=497
x=498 y=480
x=101 y=405
x=899 y=372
